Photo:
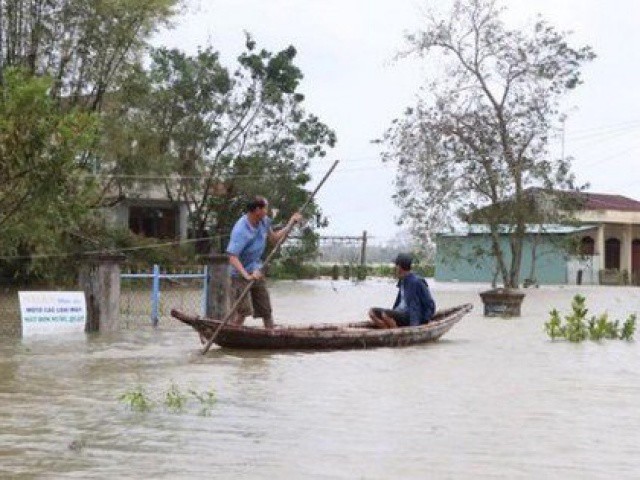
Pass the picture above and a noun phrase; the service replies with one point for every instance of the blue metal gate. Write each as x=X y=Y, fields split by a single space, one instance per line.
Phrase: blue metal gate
x=156 y=277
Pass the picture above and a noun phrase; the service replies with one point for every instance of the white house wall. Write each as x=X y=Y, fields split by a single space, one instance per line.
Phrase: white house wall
x=589 y=268
x=625 y=233
x=608 y=216
x=117 y=216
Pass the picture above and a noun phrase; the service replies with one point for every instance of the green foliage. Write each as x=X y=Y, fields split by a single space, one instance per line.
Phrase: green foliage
x=61 y=61
x=85 y=46
x=299 y=250
x=577 y=328
x=284 y=270
x=44 y=192
x=173 y=399
x=554 y=326
x=207 y=401
x=137 y=400
x=218 y=135
x=224 y=135
x=141 y=251
x=600 y=328
x=293 y=270
x=628 y=328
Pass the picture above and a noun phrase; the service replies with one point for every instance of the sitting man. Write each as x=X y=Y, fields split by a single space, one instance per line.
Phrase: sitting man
x=414 y=304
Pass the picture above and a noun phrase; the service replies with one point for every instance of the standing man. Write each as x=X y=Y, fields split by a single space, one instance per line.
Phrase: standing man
x=414 y=304
x=246 y=247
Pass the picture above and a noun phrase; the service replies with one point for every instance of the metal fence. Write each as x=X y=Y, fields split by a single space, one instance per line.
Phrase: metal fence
x=147 y=297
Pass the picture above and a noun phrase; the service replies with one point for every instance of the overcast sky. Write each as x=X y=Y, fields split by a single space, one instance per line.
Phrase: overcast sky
x=346 y=49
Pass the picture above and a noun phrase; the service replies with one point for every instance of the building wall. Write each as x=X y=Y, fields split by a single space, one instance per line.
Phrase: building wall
x=608 y=216
x=468 y=259
x=584 y=269
x=120 y=215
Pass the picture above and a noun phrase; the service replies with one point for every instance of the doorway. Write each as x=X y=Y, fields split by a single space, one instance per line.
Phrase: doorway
x=612 y=254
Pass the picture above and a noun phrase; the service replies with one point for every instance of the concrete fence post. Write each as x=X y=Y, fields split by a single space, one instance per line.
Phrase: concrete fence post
x=99 y=278
x=219 y=282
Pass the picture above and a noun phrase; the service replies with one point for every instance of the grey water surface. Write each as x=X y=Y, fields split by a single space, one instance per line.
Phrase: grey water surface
x=495 y=398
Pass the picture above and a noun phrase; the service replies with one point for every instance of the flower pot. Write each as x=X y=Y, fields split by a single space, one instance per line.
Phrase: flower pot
x=502 y=302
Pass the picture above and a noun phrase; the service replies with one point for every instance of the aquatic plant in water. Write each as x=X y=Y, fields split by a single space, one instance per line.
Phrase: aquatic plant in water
x=174 y=399
x=207 y=401
x=628 y=328
x=137 y=400
x=554 y=326
x=600 y=328
x=576 y=327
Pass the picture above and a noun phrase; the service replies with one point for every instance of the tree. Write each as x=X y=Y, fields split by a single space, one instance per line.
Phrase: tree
x=479 y=136
x=59 y=62
x=84 y=46
x=223 y=136
x=87 y=48
x=44 y=192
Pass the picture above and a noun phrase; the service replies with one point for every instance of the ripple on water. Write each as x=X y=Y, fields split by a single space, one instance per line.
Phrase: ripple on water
x=494 y=399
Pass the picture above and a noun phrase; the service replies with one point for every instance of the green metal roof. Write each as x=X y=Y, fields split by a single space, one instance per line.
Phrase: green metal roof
x=549 y=229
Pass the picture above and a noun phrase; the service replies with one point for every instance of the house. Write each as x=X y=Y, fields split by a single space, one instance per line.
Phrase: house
x=601 y=247
x=615 y=240
x=148 y=211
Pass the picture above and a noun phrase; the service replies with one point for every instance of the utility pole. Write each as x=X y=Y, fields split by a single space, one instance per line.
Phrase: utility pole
x=563 y=119
x=363 y=250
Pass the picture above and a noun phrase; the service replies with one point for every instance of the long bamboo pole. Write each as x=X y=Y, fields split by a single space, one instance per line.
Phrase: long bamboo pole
x=244 y=292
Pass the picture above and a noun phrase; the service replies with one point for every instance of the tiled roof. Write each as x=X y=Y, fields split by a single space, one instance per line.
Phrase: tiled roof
x=603 y=201
x=597 y=201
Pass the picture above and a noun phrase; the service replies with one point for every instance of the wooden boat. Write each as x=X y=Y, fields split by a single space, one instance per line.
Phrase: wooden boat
x=324 y=336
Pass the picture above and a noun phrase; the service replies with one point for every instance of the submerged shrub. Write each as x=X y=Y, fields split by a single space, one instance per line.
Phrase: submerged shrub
x=137 y=400
x=577 y=328
x=207 y=401
x=175 y=400
x=554 y=326
x=629 y=328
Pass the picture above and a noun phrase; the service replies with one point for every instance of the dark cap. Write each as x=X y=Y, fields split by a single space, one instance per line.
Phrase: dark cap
x=403 y=260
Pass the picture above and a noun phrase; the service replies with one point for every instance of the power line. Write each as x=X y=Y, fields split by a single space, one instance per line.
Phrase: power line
x=44 y=256
x=381 y=166
x=584 y=131
x=608 y=158
x=604 y=135
x=111 y=250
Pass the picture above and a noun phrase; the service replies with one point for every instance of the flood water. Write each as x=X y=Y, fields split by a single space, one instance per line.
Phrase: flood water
x=493 y=399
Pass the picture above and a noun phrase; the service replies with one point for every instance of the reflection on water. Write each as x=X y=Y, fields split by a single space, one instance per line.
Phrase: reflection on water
x=493 y=399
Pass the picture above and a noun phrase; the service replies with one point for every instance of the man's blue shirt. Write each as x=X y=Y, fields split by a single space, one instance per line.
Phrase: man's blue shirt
x=417 y=298
x=248 y=243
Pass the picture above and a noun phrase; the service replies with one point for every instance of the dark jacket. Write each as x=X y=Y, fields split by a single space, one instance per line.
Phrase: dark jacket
x=418 y=299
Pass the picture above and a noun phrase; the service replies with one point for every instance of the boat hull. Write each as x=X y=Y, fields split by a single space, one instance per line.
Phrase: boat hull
x=359 y=335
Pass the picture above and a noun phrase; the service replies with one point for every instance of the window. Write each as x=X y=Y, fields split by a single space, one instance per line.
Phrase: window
x=153 y=222
x=587 y=246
